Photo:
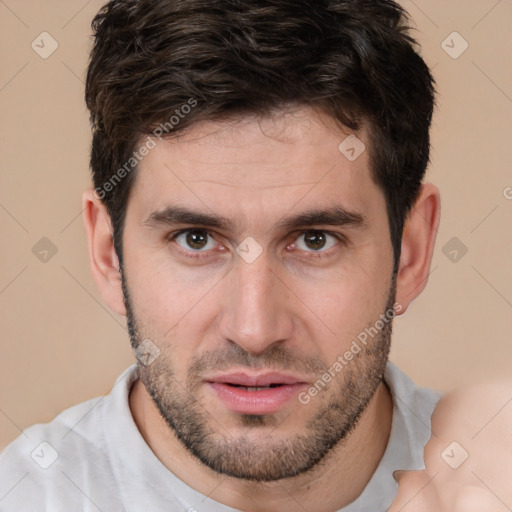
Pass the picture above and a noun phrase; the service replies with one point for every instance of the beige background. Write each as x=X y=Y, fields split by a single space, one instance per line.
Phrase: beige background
x=60 y=344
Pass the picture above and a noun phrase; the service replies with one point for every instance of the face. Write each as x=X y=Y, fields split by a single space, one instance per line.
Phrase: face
x=255 y=254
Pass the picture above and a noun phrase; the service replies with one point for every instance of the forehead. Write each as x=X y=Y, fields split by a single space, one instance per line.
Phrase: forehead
x=259 y=163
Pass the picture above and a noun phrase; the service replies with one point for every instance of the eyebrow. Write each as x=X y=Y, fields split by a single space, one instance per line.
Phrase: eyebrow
x=336 y=216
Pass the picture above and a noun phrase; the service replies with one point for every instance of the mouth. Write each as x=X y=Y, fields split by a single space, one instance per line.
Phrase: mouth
x=255 y=394
x=254 y=388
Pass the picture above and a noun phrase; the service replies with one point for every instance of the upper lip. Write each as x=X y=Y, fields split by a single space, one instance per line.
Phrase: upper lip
x=264 y=379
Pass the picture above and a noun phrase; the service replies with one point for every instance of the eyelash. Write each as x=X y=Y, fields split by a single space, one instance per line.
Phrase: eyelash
x=189 y=254
x=204 y=254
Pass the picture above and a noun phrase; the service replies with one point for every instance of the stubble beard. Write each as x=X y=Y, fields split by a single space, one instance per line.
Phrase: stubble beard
x=269 y=458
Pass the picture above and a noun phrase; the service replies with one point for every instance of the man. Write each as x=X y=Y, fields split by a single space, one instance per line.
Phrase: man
x=259 y=216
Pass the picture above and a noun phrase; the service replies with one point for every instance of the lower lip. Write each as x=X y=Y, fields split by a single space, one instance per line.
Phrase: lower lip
x=265 y=401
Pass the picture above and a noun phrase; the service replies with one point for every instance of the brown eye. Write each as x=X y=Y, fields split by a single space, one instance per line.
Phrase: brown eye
x=196 y=239
x=315 y=241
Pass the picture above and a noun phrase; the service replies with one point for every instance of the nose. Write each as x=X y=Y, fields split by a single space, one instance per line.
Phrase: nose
x=256 y=307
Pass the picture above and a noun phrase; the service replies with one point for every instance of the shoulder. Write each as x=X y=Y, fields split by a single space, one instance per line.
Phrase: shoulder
x=55 y=465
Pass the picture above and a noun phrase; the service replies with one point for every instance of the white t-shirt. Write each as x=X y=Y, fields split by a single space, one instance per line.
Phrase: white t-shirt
x=92 y=457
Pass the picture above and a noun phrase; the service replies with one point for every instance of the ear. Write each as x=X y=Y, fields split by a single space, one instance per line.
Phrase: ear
x=102 y=255
x=418 y=242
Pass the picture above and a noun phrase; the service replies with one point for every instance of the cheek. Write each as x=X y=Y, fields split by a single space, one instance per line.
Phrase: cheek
x=170 y=311
x=347 y=317
x=354 y=303
x=163 y=290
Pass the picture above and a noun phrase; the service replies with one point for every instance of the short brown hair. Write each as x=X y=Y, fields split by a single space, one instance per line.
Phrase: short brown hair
x=353 y=59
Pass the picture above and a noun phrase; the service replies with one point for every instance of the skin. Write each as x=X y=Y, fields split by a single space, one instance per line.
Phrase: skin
x=479 y=419
x=256 y=172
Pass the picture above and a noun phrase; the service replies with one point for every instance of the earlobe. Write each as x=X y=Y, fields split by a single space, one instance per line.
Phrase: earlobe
x=102 y=255
x=418 y=242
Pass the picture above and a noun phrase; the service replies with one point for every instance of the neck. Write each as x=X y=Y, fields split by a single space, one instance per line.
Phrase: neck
x=337 y=481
